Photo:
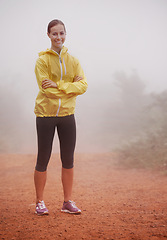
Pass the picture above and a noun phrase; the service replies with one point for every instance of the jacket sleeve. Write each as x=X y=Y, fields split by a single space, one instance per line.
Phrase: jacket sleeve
x=74 y=88
x=41 y=71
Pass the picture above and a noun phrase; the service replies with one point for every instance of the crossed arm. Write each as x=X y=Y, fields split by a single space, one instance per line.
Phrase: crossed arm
x=47 y=83
x=60 y=88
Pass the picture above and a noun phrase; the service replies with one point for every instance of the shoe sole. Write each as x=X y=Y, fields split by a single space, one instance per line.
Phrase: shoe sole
x=67 y=211
x=41 y=214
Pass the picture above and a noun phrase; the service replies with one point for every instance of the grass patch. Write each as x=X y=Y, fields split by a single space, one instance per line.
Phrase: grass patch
x=149 y=154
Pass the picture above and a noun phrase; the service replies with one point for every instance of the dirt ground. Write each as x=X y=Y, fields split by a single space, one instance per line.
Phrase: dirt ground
x=116 y=203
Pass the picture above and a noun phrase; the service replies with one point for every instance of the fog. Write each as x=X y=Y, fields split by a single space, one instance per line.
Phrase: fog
x=121 y=45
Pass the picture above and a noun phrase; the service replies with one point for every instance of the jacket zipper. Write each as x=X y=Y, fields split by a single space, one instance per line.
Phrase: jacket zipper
x=60 y=61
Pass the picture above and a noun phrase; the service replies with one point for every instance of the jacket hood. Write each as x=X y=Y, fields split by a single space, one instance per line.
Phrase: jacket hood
x=50 y=51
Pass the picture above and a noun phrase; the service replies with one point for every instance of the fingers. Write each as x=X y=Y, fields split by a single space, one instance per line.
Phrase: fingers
x=77 y=78
x=46 y=83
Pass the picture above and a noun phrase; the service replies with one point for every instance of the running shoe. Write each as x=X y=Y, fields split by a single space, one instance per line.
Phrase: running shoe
x=70 y=207
x=41 y=209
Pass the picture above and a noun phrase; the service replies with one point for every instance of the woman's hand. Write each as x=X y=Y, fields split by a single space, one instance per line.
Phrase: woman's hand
x=77 y=78
x=46 y=83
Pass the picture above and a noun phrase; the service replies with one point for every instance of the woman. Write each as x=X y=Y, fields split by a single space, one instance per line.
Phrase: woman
x=60 y=79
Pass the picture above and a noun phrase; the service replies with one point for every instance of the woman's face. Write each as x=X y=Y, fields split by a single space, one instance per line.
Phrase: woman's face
x=57 y=36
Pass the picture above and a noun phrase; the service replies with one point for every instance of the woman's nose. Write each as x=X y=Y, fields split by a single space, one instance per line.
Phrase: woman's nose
x=58 y=36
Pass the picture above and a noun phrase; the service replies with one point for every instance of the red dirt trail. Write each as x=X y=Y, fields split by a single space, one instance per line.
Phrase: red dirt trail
x=116 y=203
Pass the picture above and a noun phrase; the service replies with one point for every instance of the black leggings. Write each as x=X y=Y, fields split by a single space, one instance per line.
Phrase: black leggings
x=66 y=130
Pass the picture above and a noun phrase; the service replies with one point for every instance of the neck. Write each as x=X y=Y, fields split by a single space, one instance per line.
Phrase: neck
x=58 y=50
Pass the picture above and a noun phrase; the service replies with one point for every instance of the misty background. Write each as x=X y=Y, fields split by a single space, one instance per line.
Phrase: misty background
x=122 y=47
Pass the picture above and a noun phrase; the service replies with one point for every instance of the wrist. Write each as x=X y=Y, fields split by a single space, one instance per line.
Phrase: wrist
x=55 y=85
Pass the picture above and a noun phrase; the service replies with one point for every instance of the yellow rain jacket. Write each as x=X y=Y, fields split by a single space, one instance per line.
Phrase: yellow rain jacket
x=61 y=69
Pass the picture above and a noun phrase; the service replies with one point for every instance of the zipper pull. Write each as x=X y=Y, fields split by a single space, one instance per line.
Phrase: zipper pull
x=60 y=59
